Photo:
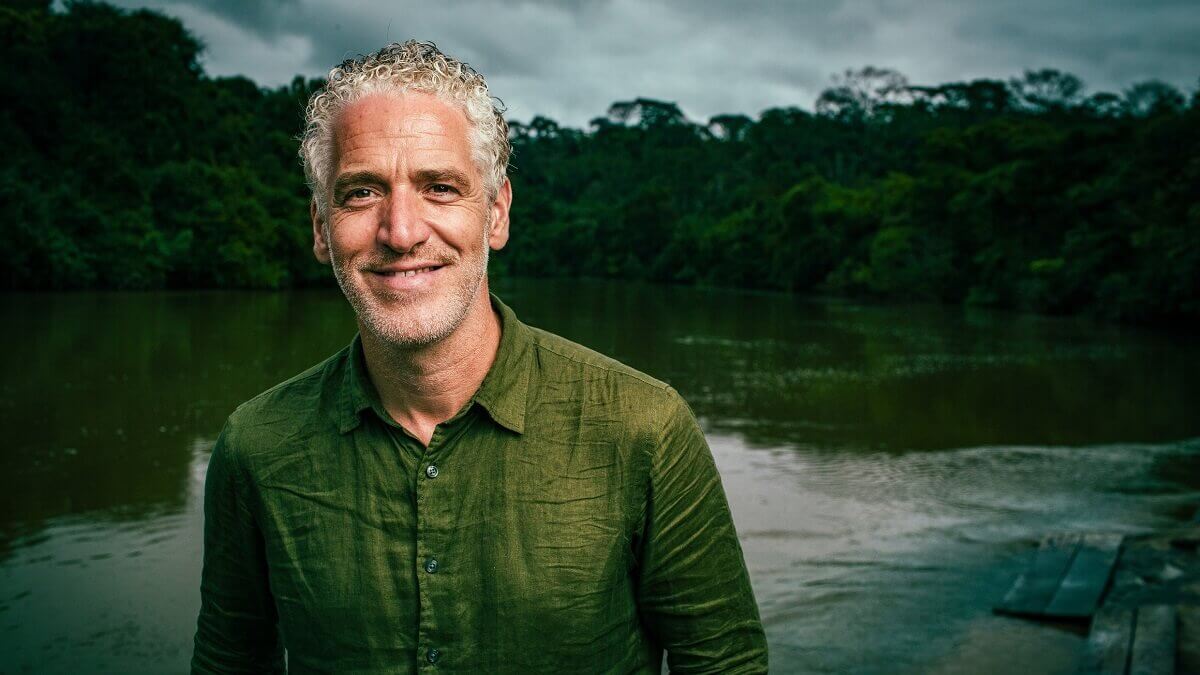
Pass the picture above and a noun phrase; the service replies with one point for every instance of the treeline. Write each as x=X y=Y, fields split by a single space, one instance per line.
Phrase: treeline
x=128 y=167
x=1021 y=194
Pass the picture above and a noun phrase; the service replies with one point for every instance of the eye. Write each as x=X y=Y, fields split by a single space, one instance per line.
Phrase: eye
x=442 y=189
x=355 y=197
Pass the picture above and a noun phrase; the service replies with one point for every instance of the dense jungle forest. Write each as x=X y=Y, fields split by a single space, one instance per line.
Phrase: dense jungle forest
x=128 y=167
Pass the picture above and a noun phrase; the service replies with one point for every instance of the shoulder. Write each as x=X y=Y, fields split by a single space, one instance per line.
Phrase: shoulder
x=601 y=382
x=288 y=408
x=557 y=353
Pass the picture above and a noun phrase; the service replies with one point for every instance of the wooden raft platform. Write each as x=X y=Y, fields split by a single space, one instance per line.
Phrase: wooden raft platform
x=1066 y=580
x=1132 y=641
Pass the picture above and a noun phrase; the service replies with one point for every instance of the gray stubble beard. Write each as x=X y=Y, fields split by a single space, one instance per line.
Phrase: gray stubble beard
x=416 y=331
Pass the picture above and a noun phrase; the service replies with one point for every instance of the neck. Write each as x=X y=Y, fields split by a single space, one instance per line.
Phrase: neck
x=421 y=387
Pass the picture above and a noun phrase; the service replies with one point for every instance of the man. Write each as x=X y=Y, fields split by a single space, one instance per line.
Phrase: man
x=456 y=490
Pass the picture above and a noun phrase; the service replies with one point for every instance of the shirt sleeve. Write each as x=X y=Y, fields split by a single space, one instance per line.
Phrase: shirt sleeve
x=237 y=631
x=694 y=593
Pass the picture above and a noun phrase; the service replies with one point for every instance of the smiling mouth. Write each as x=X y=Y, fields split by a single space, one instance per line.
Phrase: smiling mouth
x=407 y=273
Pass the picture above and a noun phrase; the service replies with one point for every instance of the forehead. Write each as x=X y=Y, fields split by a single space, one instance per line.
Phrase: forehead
x=394 y=126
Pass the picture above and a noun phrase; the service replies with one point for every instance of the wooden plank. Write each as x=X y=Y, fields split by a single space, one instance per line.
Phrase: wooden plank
x=1109 y=642
x=1154 y=641
x=1035 y=588
x=1079 y=594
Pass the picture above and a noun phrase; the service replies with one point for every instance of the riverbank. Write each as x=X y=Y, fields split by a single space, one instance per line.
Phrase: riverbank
x=1157 y=568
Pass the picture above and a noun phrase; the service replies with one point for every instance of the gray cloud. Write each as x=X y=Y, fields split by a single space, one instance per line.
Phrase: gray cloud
x=570 y=60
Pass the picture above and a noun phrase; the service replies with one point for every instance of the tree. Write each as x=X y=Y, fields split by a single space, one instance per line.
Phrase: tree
x=1047 y=89
x=1152 y=97
x=864 y=93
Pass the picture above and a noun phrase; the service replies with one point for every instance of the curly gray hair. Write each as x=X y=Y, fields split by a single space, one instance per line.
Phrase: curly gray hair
x=411 y=66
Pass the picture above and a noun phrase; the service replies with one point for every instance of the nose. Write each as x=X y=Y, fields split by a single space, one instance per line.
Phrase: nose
x=401 y=224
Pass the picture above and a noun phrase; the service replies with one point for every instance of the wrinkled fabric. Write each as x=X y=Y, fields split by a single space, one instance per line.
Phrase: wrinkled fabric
x=575 y=515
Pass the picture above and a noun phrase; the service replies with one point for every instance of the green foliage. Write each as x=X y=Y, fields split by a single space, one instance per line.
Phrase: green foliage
x=1023 y=194
x=127 y=167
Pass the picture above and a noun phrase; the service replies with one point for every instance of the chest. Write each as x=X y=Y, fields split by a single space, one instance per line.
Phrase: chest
x=495 y=529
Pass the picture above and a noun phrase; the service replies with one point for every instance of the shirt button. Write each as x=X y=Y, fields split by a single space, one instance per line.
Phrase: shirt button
x=431 y=471
x=432 y=655
x=431 y=565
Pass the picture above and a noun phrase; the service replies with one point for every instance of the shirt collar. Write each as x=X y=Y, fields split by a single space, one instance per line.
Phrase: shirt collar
x=503 y=393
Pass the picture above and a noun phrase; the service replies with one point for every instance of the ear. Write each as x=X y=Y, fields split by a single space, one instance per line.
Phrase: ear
x=498 y=233
x=320 y=245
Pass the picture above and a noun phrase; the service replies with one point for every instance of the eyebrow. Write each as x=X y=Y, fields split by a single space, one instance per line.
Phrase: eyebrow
x=447 y=175
x=443 y=175
x=356 y=178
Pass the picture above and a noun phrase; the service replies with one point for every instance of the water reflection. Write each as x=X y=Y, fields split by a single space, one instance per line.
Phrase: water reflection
x=775 y=367
x=887 y=467
x=103 y=393
x=108 y=590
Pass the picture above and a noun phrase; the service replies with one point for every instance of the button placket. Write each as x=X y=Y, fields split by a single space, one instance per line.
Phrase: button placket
x=430 y=529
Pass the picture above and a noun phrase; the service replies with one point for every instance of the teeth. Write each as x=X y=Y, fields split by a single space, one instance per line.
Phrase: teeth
x=411 y=273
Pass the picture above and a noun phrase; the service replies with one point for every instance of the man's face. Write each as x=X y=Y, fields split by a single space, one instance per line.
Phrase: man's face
x=409 y=219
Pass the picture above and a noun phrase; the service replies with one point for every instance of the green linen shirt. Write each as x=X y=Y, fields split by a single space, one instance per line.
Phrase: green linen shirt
x=569 y=518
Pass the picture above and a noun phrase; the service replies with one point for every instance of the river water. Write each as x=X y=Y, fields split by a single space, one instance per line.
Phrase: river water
x=889 y=468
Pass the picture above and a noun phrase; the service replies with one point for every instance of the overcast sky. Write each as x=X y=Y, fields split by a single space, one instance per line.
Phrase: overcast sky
x=569 y=60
